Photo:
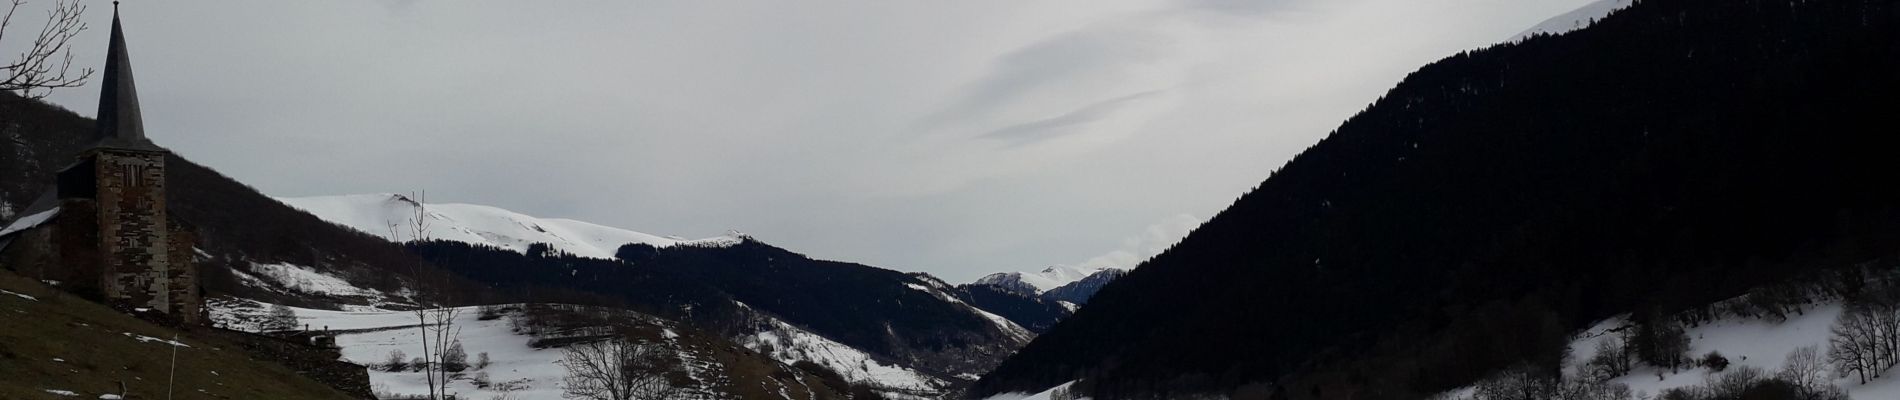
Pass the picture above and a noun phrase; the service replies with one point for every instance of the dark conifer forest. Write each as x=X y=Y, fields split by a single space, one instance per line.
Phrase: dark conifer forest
x=1675 y=153
x=1034 y=313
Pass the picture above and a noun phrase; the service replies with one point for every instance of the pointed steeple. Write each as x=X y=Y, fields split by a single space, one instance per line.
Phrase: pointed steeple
x=119 y=123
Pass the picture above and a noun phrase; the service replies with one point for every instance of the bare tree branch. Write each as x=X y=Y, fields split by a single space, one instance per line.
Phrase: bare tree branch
x=47 y=63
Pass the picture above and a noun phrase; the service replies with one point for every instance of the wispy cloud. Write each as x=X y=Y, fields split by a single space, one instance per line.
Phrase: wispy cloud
x=1052 y=127
x=1098 y=55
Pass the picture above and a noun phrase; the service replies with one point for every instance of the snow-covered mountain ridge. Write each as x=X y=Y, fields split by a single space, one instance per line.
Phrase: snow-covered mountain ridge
x=390 y=217
x=1035 y=283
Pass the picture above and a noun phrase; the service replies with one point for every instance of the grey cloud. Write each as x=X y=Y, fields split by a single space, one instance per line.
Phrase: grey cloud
x=1253 y=8
x=1049 y=128
x=789 y=121
x=1068 y=57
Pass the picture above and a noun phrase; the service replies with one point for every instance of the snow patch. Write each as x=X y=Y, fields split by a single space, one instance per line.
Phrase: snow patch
x=28 y=298
x=144 y=339
x=30 y=221
x=306 y=280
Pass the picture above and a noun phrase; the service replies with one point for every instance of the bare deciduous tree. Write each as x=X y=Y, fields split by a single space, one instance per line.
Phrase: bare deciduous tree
x=1612 y=360
x=47 y=62
x=618 y=369
x=396 y=362
x=437 y=323
x=281 y=318
x=1804 y=367
x=1853 y=346
x=455 y=359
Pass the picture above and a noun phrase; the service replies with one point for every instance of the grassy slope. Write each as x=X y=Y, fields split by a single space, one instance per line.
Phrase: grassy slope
x=97 y=355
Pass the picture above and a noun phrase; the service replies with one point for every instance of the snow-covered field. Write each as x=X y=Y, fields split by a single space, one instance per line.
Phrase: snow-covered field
x=388 y=216
x=1744 y=341
x=368 y=337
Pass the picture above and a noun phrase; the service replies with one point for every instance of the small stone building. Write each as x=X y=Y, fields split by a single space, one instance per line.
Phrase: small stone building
x=103 y=229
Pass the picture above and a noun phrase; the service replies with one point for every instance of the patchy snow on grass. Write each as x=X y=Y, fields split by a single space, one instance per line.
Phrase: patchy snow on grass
x=144 y=339
x=28 y=298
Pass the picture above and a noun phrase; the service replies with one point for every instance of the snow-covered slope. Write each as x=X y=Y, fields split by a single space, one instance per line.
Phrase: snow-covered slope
x=1744 y=341
x=1578 y=19
x=1054 y=393
x=1079 y=292
x=1014 y=331
x=789 y=344
x=389 y=215
x=1034 y=283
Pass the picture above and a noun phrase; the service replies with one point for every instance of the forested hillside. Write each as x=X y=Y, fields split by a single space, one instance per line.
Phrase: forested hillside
x=1676 y=153
x=736 y=289
x=239 y=226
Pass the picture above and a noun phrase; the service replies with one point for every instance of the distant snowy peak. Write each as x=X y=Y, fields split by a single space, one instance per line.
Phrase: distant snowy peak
x=1080 y=291
x=1035 y=283
x=1578 y=19
x=389 y=216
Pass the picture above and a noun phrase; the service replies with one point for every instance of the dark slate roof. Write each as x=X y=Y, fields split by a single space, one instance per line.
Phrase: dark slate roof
x=119 y=125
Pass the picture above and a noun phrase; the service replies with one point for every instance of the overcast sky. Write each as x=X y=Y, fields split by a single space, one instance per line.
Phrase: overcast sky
x=952 y=137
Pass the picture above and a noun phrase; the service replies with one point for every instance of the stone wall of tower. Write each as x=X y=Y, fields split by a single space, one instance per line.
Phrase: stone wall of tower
x=76 y=236
x=183 y=280
x=33 y=254
x=135 y=239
